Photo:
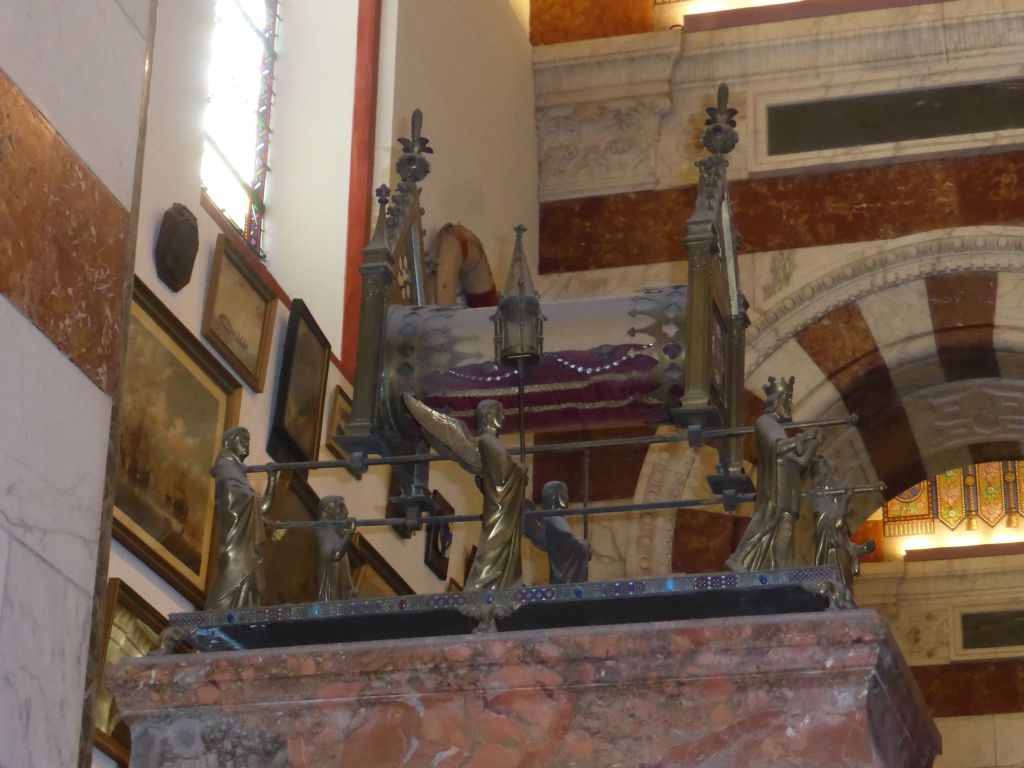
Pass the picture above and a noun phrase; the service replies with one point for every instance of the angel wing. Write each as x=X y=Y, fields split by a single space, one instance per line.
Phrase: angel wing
x=446 y=434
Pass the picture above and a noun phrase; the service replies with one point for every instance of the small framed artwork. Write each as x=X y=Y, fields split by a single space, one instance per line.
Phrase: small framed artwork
x=131 y=628
x=176 y=402
x=438 y=539
x=372 y=575
x=341 y=412
x=290 y=564
x=238 y=319
x=301 y=389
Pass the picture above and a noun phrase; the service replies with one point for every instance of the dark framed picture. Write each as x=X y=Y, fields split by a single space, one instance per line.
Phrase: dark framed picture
x=341 y=412
x=372 y=575
x=290 y=564
x=438 y=540
x=176 y=403
x=301 y=389
x=131 y=628
x=238 y=319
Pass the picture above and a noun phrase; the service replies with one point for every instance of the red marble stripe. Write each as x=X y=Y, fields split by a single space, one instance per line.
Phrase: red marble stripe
x=963 y=309
x=843 y=347
x=614 y=472
x=561 y=21
x=794 y=211
x=976 y=688
x=63 y=240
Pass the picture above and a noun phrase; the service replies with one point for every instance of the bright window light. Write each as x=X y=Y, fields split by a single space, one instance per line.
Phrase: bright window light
x=232 y=132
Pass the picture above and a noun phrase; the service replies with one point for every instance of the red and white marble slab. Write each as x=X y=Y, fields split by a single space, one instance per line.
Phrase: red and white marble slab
x=801 y=690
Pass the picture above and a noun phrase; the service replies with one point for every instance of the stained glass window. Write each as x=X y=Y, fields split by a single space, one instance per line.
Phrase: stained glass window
x=236 y=124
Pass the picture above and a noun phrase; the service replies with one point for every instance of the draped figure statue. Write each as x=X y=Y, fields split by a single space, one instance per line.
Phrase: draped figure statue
x=241 y=526
x=334 y=572
x=833 y=545
x=568 y=556
x=768 y=543
x=502 y=481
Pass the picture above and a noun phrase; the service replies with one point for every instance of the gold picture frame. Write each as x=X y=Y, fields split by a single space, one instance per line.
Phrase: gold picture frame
x=341 y=413
x=131 y=628
x=177 y=401
x=238 y=317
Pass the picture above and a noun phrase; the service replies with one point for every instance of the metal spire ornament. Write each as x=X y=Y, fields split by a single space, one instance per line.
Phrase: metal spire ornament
x=519 y=324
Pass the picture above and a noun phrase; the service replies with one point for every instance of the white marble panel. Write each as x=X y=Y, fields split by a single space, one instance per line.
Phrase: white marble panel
x=52 y=450
x=44 y=641
x=791 y=360
x=82 y=64
x=901 y=322
x=1010 y=739
x=5 y=548
x=608 y=283
x=137 y=12
x=99 y=760
x=1008 y=335
x=967 y=742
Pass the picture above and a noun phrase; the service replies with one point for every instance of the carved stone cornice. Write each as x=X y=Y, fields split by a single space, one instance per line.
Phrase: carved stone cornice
x=883 y=265
x=616 y=114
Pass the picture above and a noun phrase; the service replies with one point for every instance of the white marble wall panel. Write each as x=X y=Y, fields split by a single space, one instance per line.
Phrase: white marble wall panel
x=608 y=283
x=5 y=548
x=44 y=639
x=1009 y=739
x=810 y=396
x=82 y=64
x=901 y=322
x=138 y=12
x=967 y=742
x=52 y=450
x=1008 y=338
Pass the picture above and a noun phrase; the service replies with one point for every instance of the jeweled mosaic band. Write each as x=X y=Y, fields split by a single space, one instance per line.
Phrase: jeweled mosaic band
x=752 y=593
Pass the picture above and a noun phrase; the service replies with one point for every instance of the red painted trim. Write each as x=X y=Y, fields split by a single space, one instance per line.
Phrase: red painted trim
x=360 y=202
x=808 y=9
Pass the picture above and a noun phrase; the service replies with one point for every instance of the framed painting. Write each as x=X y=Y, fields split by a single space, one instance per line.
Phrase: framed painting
x=372 y=575
x=131 y=628
x=438 y=540
x=341 y=412
x=301 y=389
x=290 y=565
x=176 y=402
x=238 y=319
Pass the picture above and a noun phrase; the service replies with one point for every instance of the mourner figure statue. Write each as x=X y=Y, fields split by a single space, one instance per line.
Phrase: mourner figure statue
x=502 y=481
x=241 y=526
x=833 y=545
x=334 y=573
x=768 y=542
x=568 y=556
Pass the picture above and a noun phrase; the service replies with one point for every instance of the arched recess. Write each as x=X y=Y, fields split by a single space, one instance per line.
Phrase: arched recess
x=922 y=337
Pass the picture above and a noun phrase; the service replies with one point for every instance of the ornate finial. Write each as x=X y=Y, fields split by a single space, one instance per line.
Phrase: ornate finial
x=519 y=229
x=383 y=192
x=412 y=166
x=779 y=386
x=720 y=135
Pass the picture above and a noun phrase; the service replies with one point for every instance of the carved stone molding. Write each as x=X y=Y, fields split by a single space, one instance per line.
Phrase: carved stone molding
x=878 y=267
x=948 y=418
x=582 y=89
x=608 y=146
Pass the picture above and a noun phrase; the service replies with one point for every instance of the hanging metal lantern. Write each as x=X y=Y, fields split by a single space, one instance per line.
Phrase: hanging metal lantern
x=519 y=322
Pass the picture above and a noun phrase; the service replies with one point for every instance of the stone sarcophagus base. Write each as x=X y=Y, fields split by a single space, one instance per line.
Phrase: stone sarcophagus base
x=798 y=690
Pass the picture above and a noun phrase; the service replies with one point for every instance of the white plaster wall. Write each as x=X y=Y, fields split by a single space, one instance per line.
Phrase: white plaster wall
x=310 y=155
x=467 y=65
